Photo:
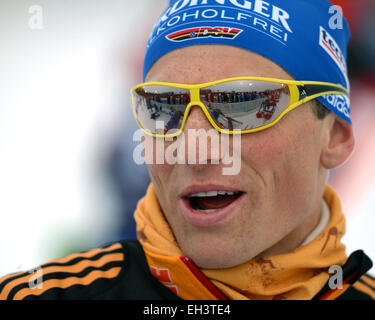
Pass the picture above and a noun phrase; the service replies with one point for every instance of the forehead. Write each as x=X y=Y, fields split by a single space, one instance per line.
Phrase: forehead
x=205 y=63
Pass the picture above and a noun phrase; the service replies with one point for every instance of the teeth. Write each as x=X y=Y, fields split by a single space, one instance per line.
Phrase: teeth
x=212 y=194
x=205 y=194
x=207 y=211
x=229 y=193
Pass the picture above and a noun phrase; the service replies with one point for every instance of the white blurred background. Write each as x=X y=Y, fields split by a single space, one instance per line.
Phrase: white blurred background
x=63 y=101
x=65 y=127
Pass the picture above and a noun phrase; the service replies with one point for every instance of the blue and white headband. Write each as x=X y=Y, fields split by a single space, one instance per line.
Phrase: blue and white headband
x=305 y=37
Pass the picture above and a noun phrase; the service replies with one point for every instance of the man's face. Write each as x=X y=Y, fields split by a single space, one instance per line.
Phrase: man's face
x=280 y=183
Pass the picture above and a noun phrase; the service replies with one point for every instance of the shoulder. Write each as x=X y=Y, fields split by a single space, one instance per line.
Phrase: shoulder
x=362 y=284
x=80 y=275
x=115 y=271
x=356 y=282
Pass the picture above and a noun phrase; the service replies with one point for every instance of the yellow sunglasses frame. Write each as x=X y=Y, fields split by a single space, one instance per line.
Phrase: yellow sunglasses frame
x=298 y=96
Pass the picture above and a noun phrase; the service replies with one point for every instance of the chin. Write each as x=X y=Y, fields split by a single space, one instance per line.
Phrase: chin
x=225 y=261
x=214 y=263
x=213 y=254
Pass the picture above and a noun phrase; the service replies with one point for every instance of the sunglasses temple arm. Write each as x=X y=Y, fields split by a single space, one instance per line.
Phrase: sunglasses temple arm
x=309 y=90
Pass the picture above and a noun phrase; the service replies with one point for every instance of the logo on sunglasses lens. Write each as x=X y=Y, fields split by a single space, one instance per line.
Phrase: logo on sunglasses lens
x=204 y=32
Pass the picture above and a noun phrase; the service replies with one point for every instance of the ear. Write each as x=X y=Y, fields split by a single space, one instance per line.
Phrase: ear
x=339 y=144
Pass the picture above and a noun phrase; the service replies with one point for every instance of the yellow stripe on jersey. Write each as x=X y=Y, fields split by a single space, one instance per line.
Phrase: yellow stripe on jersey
x=68 y=282
x=87 y=254
x=369 y=281
x=76 y=268
x=365 y=289
x=338 y=292
x=24 y=278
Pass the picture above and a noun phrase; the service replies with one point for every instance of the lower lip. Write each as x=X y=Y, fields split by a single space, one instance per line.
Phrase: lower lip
x=201 y=219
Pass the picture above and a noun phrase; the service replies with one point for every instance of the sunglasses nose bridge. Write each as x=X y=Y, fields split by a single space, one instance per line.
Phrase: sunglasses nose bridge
x=196 y=102
x=195 y=94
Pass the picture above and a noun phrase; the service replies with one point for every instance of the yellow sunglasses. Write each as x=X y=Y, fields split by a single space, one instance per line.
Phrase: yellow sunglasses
x=232 y=106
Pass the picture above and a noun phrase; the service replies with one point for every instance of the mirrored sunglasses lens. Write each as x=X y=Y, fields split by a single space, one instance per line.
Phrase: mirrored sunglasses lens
x=160 y=109
x=245 y=104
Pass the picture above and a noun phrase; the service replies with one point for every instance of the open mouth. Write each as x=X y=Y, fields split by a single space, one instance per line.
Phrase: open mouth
x=212 y=201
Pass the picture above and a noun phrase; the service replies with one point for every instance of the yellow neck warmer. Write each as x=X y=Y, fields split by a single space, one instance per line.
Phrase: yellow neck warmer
x=298 y=275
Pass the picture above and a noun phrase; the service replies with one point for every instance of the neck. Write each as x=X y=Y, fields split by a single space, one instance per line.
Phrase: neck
x=296 y=237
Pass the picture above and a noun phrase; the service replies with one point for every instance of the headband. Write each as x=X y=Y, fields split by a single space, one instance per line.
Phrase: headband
x=307 y=38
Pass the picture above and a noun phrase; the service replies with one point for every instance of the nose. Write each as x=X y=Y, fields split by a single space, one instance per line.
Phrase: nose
x=202 y=140
x=197 y=120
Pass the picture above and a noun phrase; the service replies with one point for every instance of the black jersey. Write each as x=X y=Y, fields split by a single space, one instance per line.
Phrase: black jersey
x=120 y=271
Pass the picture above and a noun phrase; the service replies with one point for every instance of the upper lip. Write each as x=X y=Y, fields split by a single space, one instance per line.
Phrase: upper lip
x=193 y=189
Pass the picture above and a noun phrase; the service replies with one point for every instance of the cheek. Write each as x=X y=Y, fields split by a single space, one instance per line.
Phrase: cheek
x=160 y=175
x=160 y=178
x=160 y=171
x=287 y=159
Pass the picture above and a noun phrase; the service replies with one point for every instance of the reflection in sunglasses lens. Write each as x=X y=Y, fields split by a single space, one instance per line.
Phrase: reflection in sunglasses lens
x=243 y=105
x=232 y=105
x=160 y=105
